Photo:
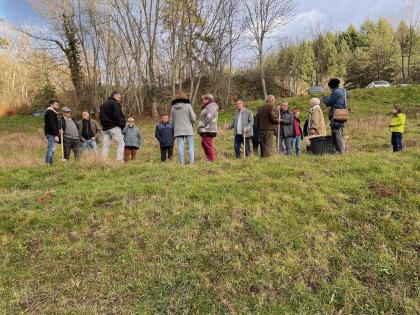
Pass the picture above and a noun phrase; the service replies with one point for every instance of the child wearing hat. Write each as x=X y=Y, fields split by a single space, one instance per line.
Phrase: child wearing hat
x=298 y=133
x=397 y=128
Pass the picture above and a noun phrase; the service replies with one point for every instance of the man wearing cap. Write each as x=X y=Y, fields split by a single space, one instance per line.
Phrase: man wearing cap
x=71 y=138
x=89 y=130
x=207 y=127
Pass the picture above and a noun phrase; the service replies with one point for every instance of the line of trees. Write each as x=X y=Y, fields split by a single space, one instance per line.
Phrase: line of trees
x=150 y=49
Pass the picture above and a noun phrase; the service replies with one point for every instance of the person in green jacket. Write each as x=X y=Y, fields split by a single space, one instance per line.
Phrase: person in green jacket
x=397 y=128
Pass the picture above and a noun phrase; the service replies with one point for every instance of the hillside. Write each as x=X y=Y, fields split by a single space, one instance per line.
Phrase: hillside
x=332 y=234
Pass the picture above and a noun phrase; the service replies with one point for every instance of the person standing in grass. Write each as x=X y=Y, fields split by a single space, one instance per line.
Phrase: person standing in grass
x=71 y=137
x=89 y=130
x=113 y=122
x=316 y=121
x=183 y=117
x=256 y=136
x=207 y=127
x=132 y=140
x=242 y=126
x=268 y=119
x=298 y=133
x=397 y=128
x=164 y=133
x=286 y=129
x=51 y=130
x=337 y=100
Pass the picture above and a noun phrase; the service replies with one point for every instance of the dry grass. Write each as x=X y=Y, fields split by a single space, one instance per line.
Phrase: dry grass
x=20 y=149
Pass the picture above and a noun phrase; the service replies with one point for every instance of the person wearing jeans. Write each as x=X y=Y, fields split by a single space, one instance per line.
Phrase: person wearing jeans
x=207 y=127
x=397 y=127
x=286 y=129
x=182 y=117
x=337 y=100
x=242 y=126
x=51 y=130
x=89 y=130
x=116 y=135
x=113 y=122
x=298 y=133
x=181 y=149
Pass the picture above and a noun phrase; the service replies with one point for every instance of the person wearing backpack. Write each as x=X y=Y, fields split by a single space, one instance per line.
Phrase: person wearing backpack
x=337 y=101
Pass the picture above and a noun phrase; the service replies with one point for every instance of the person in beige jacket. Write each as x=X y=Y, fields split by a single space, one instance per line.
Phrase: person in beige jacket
x=316 y=122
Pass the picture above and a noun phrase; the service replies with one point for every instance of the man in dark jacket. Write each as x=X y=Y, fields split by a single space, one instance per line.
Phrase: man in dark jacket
x=164 y=133
x=337 y=100
x=113 y=122
x=268 y=119
x=71 y=138
x=51 y=130
x=89 y=131
x=286 y=129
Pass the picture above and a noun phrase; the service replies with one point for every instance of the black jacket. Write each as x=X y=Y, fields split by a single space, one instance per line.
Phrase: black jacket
x=286 y=124
x=164 y=132
x=51 y=123
x=111 y=115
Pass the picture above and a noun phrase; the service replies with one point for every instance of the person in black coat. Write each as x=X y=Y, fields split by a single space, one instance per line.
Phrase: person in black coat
x=51 y=130
x=164 y=133
x=113 y=122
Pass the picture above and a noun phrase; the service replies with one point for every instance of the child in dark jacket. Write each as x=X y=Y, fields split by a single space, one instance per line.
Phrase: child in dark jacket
x=164 y=133
x=298 y=133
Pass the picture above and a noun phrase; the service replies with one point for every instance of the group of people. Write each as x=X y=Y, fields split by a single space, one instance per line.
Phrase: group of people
x=270 y=123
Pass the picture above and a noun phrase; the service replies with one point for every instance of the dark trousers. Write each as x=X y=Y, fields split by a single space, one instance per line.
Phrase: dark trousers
x=71 y=145
x=166 y=152
x=239 y=140
x=266 y=142
x=397 y=141
x=255 y=145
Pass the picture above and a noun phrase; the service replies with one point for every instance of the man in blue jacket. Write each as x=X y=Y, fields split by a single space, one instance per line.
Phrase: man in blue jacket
x=337 y=100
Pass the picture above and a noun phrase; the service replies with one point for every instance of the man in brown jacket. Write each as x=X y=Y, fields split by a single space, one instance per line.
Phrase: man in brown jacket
x=268 y=118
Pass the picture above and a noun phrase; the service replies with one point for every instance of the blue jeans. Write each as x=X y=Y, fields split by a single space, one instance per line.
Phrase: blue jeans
x=239 y=140
x=181 y=148
x=89 y=145
x=296 y=145
x=286 y=145
x=52 y=145
x=397 y=141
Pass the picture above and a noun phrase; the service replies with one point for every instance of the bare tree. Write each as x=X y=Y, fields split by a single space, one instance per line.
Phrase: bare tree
x=263 y=18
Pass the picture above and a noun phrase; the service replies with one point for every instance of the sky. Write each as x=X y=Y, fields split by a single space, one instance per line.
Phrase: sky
x=333 y=14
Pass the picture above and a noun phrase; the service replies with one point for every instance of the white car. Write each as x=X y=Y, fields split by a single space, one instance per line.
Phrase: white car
x=378 y=84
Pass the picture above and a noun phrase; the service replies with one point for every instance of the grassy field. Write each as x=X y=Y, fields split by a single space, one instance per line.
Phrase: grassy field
x=309 y=235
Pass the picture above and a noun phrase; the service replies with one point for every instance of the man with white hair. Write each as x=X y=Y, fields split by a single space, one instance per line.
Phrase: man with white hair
x=316 y=122
x=268 y=118
x=207 y=127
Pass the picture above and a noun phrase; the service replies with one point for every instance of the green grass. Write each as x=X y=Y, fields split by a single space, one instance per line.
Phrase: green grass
x=285 y=235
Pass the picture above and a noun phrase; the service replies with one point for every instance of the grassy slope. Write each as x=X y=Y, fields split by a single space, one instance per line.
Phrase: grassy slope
x=283 y=235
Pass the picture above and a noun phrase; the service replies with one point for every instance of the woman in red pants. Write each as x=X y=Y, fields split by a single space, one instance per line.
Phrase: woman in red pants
x=207 y=127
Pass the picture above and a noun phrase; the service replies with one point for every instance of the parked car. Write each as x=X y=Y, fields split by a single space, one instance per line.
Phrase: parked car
x=315 y=90
x=38 y=113
x=378 y=84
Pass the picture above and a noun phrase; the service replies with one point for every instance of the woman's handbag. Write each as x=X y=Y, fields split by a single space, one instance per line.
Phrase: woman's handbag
x=342 y=114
